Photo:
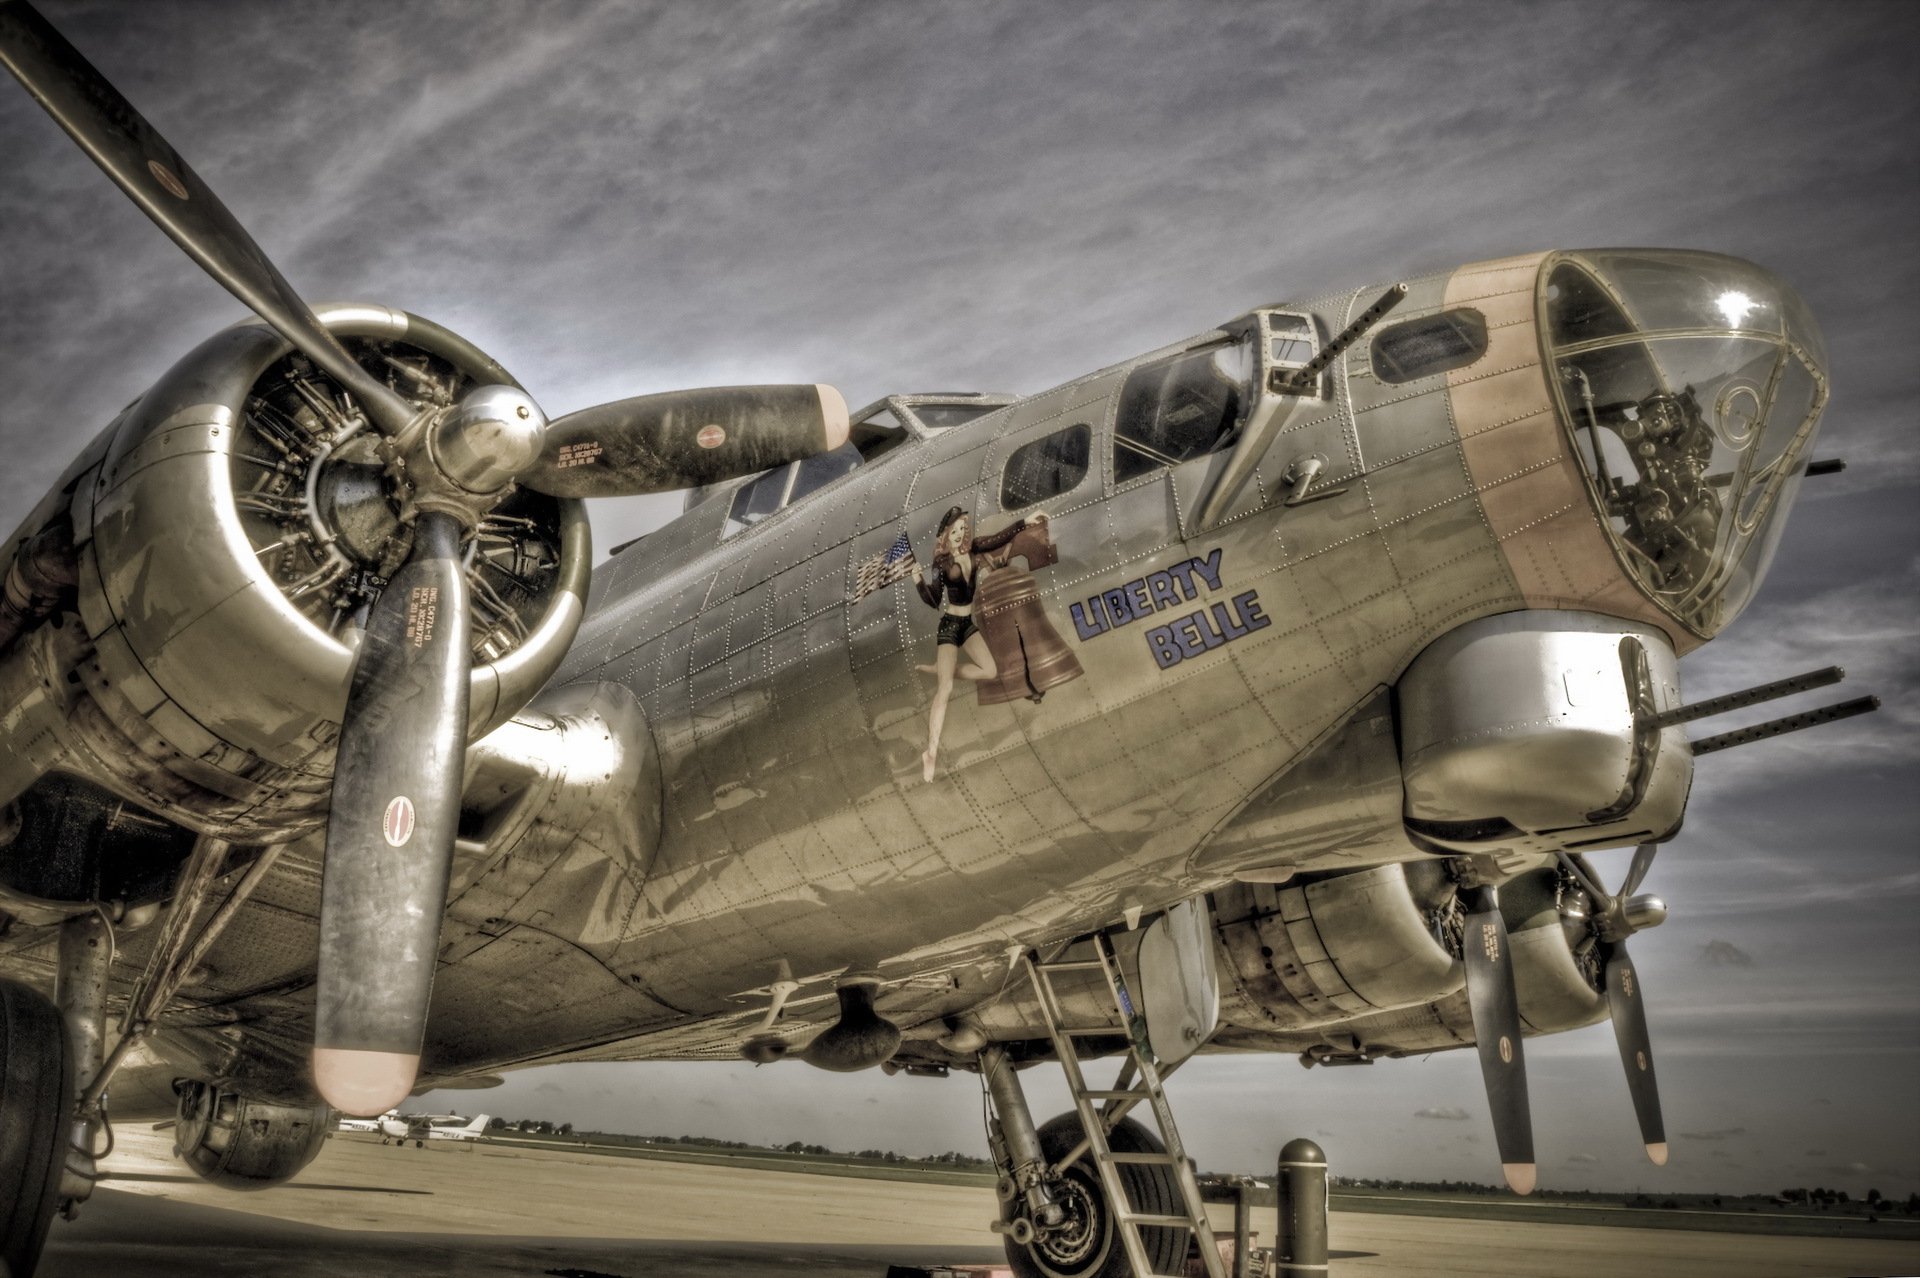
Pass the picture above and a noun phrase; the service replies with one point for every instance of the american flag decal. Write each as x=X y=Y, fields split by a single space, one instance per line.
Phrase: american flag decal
x=895 y=563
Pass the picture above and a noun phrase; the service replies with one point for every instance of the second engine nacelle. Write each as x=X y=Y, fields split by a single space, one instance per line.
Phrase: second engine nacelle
x=1371 y=958
x=1341 y=945
x=235 y=1142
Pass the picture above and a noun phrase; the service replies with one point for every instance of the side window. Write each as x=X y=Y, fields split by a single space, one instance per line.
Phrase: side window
x=1180 y=408
x=1436 y=344
x=1046 y=468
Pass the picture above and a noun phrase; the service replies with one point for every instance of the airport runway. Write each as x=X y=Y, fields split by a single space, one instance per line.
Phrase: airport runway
x=363 y=1209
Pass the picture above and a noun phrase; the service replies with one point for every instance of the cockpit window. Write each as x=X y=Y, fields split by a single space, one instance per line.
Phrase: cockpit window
x=880 y=431
x=871 y=437
x=1692 y=384
x=1181 y=408
x=755 y=500
x=941 y=416
x=822 y=469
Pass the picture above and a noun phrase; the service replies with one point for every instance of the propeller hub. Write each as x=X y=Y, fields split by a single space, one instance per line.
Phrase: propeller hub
x=490 y=436
x=1642 y=912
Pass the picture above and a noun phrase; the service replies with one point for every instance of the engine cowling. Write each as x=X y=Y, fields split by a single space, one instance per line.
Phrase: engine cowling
x=236 y=1142
x=1368 y=961
x=227 y=529
x=1340 y=945
x=1556 y=971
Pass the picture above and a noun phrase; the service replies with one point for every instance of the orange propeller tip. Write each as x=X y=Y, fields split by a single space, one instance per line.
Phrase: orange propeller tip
x=363 y=1083
x=833 y=412
x=1521 y=1177
x=1658 y=1153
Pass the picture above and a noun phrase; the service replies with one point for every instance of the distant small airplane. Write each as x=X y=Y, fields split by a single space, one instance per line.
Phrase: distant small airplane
x=419 y=1128
x=389 y=1124
x=448 y=1126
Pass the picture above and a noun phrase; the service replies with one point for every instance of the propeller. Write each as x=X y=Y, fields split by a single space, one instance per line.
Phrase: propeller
x=1495 y=1006
x=1617 y=916
x=396 y=806
x=399 y=768
x=684 y=439
x=141 y=163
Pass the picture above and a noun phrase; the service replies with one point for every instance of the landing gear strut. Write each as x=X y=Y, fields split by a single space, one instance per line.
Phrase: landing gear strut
x=36 y=1104
x=80 y=990
x=1055 y=1215
x=1086 y=1243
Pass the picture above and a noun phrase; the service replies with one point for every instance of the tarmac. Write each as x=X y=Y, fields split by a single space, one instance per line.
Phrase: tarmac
x=363 y=1209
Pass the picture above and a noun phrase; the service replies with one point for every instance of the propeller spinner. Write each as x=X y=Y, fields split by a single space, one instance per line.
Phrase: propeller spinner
x=399 y=767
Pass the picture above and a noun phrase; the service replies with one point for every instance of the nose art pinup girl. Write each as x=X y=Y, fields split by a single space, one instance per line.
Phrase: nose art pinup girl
x=958 y=560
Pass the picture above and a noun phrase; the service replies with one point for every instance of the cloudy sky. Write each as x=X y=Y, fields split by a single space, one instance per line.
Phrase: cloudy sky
x=622 y=198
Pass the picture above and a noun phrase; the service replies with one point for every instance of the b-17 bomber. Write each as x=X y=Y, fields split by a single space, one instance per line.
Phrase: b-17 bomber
x=1268 y=691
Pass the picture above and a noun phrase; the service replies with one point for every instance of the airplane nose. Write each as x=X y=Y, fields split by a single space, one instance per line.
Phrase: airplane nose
x=1691 y=384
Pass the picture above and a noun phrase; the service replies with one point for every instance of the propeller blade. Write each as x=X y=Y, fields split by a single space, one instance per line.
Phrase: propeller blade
x=132 y=152
x=685 y=439
x=1496 y=1030
x=396 y=808
x=1637 y=870
x=1629 y=1015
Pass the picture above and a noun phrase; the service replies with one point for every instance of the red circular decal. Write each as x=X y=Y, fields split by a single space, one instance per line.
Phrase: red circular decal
x=398 y=823
x=165 y=177
x=711 y=436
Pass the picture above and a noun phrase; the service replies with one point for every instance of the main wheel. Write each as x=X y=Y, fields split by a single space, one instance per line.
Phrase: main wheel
x=36 y=1094
x=1089 y=1245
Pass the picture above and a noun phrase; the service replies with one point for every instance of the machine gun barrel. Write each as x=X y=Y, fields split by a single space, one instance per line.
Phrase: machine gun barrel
x=1291 y=383
x=1792 y=723
x=1747 y=697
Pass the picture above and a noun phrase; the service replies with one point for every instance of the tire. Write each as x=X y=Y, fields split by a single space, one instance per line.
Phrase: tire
x=36 y=1094
x=1091 y=1246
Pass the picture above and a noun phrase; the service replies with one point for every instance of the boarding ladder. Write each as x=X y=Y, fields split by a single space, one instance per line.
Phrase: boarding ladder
x=1139 y=1081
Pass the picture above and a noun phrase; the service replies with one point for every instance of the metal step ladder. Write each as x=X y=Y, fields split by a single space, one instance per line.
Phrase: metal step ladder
x=1140 y=1080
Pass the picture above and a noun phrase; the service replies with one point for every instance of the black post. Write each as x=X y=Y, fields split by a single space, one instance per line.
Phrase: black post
x=1300 y=1246
x=1242 y=1227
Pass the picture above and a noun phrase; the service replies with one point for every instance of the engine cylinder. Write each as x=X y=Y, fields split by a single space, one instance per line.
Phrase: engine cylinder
x=241 y=515
x=235 y=1142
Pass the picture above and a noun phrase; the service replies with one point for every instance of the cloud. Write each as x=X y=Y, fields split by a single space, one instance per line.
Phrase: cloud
x=1723 y=1133
x=1717 y=953
x=1449 y=1113
x=549 y=1088
x=1583 y=1158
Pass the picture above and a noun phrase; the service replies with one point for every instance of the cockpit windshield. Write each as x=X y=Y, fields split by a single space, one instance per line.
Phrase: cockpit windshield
x=1692 y=384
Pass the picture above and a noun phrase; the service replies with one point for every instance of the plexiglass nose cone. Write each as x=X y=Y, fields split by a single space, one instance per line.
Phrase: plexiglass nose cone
x=1691 y=384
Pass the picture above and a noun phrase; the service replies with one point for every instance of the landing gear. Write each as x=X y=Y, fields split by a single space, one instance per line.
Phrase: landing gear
x=36 y=1102
x=1086 y=1244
